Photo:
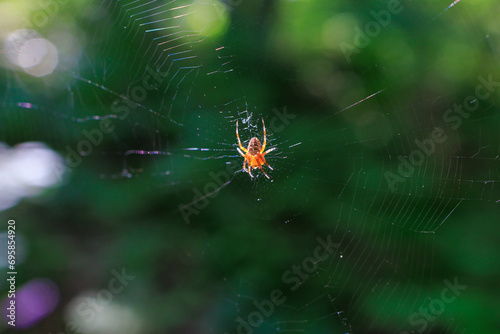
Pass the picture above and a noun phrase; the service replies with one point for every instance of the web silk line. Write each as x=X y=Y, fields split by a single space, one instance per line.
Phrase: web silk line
x=453 y=4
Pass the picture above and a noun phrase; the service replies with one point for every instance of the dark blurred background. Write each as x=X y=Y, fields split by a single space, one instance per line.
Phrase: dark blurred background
x=118 y=164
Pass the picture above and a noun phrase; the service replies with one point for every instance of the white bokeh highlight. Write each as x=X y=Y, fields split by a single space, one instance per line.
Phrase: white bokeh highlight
x=31 y=52
x=84 y=316
x=26 y=170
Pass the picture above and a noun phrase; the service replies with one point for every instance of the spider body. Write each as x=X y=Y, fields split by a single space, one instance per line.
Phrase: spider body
x=254 y=154
x=254 y=146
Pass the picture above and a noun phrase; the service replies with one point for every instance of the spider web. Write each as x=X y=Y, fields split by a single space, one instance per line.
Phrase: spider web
x=182 y=133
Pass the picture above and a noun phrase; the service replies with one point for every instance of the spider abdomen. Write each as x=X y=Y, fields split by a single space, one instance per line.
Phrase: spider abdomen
x=254 y=146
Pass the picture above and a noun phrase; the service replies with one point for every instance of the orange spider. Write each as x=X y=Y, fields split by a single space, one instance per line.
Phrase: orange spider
x=254 y=154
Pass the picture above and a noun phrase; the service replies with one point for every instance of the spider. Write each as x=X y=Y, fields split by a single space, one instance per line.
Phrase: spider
x=254 y=154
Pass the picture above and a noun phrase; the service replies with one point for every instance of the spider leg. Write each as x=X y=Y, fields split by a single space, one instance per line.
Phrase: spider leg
x=239 y=141
x=269 y=150
x=265 y=138
x=263 y=171
x=242 y=154
x=249 y=172
x=271 y=168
